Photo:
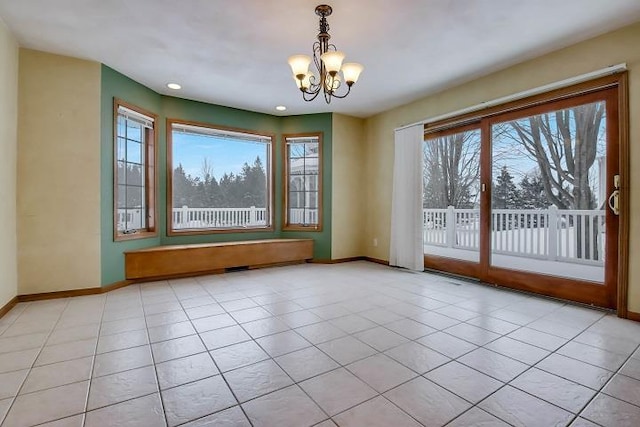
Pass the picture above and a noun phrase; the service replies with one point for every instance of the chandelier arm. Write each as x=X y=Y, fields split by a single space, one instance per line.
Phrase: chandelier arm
x=342 y=96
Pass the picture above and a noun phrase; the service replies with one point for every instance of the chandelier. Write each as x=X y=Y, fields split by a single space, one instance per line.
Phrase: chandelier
x=328 y=64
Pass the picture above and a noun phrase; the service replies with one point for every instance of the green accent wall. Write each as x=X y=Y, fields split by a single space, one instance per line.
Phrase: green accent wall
x=314 y=123
x=117 y=85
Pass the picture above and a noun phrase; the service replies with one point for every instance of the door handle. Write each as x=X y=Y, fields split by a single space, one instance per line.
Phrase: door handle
x=614 y=202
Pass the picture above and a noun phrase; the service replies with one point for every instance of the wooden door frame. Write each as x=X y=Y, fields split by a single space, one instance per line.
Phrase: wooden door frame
x=582 y=291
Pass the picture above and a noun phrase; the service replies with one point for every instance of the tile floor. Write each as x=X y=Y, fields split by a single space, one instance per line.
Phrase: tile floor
x=354 y=344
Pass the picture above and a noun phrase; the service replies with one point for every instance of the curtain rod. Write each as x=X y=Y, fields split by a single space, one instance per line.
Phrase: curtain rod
x=612 y=69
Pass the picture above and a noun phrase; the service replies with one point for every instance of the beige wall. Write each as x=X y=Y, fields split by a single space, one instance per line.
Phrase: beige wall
x=58 y=173
x=613 y=48
x=348 y=198
x=8 y=156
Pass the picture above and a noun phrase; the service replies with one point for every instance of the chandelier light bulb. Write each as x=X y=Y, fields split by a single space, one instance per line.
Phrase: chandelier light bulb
x=351 y=71
x=299 y=64
x=332 y=61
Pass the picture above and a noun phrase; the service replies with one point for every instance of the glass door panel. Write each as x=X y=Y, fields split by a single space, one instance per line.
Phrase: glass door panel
x=451 y=199
x=548 y=193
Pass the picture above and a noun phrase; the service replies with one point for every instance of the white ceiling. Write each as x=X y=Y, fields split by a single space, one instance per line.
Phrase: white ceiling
x=234 y=52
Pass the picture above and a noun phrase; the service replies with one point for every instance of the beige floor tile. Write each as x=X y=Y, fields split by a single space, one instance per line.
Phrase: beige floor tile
x=169 y=332
x=282 y=343
x=122 y=341
x=352 y=323
x=582 y=422
x=346 y=350
x=410 y=328
x=493 y=364
x=306 y=363
x=566 y=394
x=381 y=372
x=17 y=360
x=476 y=417
x=256 y=380
x=4 y=407
x=232 y=417
x=624 y=388
x=320 y=332
x=185 y=370
x=593 y=355
x=67 y=351
x=224 y=336
x=57 y=374
x=27 y=328
x=289 y=407
x=238 y=304
x=123 y=325
x=417 y=357
x=493 y=324
x=122 y=386
x=337 y=390
x=199 y=311
x=167 y=318
x=52 y=404
x=75 y=333
x=427 y=402
x=264 y=327
x=473 y=334
x=10 y=383
x=556 y=328
x=377 y=412
x=576 y=371
x=631 y=368
x=523 y=352
x=463 y=381
x=177 y=348
x=447 y=344
x=74 y=421
x=297 y=319
x=23 y=342
x=122 y=360
x=457 y=313
x=521 y=409
x=610 y=343
x=380 y=316
x=539 y=339
x=250 y=314
x=238 y=355
x=381 y=338
x=144 y=411
x=195 y=400
x=435 y=320
x=611 y=412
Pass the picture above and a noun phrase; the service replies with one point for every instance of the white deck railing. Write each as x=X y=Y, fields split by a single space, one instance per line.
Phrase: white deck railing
x=186 y=217
x=552 y=234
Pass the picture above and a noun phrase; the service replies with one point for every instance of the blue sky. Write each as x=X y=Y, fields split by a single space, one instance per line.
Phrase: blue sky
x=223 y=155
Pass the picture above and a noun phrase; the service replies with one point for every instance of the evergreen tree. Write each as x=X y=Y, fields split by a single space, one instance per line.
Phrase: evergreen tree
x=505 y=193
x=532 y=192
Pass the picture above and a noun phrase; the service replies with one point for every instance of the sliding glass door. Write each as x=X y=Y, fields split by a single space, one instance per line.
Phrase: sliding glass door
x=527 y=196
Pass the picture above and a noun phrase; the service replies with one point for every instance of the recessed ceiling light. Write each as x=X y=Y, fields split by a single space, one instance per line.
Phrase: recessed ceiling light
x=174 y=86
x=281 y=108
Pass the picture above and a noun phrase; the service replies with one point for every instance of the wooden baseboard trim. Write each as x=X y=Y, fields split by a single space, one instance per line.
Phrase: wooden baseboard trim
x=336 y=260
x=73 y=292
x=631 y=315
x=8 y=306
x=376 y=260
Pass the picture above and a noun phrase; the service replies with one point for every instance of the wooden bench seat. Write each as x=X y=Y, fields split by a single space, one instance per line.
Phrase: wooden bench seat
x=194 y=259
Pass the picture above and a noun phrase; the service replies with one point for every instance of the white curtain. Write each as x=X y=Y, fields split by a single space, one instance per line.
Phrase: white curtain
x=406 y=205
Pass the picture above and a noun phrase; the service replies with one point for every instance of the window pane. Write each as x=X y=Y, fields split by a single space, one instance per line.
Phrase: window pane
x=219 y=182
x=549 y=193
x=122 y=196
x=134 y=152
x=134 y=131
x=451 y=198
x=121 y=150
x=121 y=173
x=135 y=174
x=134 y=197
x=303 y=182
